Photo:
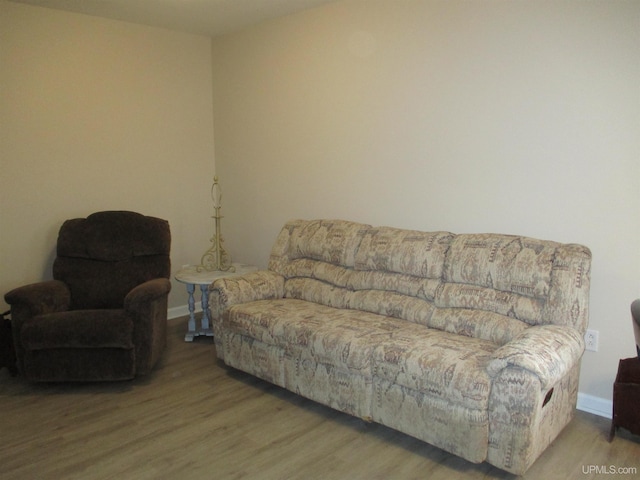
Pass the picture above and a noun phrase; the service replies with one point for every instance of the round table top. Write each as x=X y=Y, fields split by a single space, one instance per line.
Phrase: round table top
x=190 y=273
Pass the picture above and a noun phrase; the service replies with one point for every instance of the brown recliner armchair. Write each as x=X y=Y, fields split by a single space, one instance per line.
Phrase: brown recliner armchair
x=104 y=316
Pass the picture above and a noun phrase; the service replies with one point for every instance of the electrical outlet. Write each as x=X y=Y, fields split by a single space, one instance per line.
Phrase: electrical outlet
x=591 y=340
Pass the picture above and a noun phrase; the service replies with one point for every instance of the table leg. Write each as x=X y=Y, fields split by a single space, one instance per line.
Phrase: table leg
x=206 y=326
x=191 y=330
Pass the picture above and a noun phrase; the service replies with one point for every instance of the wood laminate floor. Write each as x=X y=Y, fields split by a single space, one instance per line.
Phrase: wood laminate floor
x=194 y=418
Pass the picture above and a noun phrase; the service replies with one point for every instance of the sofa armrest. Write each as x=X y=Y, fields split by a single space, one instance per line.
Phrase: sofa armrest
x=38 y=298
x=260 y=285
x=547 y=351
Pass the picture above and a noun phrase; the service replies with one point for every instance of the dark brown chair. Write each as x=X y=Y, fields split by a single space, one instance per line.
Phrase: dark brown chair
x=104 y=316
x=626 y=388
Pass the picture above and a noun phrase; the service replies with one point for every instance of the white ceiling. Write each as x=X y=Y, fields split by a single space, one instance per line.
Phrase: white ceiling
x=203 y=17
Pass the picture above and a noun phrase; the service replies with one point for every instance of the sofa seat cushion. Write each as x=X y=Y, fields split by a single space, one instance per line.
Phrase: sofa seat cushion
x=442 y=365
x=78 y=329
x=341 y=338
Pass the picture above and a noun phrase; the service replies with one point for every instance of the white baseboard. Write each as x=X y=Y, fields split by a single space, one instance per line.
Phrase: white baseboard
x=596 y=405
x=586 y=403
x=181 y=311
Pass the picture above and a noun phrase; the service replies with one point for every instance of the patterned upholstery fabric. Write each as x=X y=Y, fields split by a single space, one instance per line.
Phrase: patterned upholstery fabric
x=469 y=342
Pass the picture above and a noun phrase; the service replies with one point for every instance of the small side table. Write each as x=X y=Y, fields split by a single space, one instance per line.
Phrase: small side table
x=190 y=276
x=626 y=397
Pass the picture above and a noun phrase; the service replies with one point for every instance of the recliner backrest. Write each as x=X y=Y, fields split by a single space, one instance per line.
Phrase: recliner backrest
x=102 y=257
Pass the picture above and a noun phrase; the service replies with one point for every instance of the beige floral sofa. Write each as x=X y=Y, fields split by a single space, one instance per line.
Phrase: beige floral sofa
x=470 y=342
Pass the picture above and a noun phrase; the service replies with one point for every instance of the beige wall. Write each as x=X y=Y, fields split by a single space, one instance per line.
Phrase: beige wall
x=98 y=115
x=511 y=117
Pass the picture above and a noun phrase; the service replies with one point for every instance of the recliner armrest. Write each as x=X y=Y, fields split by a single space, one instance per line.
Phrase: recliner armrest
x=260 y=285
x=42 y=297
x=548 y=351
x=147 y=292
x=146 y=304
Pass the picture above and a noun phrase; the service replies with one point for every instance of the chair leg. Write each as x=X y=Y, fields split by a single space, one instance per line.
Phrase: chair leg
x=612 y=432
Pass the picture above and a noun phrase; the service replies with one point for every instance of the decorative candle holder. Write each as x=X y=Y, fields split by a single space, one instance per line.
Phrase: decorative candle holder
x=216 y=258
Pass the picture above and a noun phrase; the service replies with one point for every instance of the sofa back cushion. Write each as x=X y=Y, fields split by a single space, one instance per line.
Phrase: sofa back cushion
x=486 y=286
x=331 y=241
x=535 y=281
x=421 y=254
x=501 y=262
